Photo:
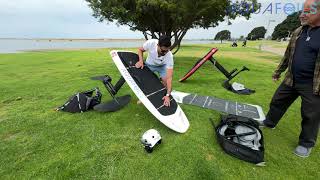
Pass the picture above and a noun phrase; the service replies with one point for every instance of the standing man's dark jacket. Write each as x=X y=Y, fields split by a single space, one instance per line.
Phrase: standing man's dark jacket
x=288 y=61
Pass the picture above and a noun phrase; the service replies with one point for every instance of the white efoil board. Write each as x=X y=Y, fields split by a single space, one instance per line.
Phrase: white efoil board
x=150 y=91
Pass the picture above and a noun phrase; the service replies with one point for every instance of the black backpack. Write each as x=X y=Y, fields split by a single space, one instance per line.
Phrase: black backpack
x=241 y=137
x=81 y=102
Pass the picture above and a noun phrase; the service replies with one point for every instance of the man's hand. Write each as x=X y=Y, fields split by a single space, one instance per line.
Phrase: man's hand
x=139 y=64
x=166 y=101
x=275 y=77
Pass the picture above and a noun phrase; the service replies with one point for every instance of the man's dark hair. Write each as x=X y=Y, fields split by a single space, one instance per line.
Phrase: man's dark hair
x=164 y=41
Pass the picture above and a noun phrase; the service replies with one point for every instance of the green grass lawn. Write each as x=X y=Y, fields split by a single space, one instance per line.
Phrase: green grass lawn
x=37 y=142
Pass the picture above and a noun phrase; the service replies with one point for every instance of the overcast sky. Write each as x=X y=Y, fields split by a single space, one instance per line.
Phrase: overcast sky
x=73 y=19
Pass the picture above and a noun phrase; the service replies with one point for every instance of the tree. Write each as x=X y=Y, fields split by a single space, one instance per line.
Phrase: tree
x=223 y=35
x=286 y=27
x=169 y=17
x=257 y=33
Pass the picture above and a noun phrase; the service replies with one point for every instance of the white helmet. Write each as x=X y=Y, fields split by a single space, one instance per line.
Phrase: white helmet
x=150 y=138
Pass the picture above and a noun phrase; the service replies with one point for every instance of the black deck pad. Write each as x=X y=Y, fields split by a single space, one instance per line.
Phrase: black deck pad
x=149 y=83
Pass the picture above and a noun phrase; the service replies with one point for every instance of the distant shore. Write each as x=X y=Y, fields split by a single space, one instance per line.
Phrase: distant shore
x=14 y=45
x=91 y=40
x=71 y=39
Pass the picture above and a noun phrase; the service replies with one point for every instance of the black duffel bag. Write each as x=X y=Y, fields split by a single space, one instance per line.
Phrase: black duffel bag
x=241 y=138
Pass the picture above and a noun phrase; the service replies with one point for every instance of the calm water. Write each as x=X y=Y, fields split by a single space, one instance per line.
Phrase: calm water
x=15 y=46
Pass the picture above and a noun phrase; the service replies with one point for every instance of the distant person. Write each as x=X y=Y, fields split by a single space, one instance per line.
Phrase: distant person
x=160 y=60
x=302 y=59
x=234 y=44
x=244 y=43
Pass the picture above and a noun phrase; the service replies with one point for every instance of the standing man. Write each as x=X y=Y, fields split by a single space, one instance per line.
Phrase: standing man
x=244 y=42
x=160 y=60
x=302 y=59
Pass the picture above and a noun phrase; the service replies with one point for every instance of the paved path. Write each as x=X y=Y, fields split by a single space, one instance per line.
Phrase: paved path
x=279 y=51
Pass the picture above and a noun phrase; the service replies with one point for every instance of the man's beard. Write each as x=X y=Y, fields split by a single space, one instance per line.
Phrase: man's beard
x=304 y=23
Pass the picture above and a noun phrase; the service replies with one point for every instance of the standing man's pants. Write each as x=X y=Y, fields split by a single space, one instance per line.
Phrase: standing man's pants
x=310 y=110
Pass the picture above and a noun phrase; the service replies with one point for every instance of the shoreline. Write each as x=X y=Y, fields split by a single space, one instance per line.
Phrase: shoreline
x=18 y=45
x=63 y=49
x=70 y=40
x=91 y=40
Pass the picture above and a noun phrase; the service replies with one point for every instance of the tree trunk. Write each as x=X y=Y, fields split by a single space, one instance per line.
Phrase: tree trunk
x=178 y=36
x=178 y=47
x=145 y=35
